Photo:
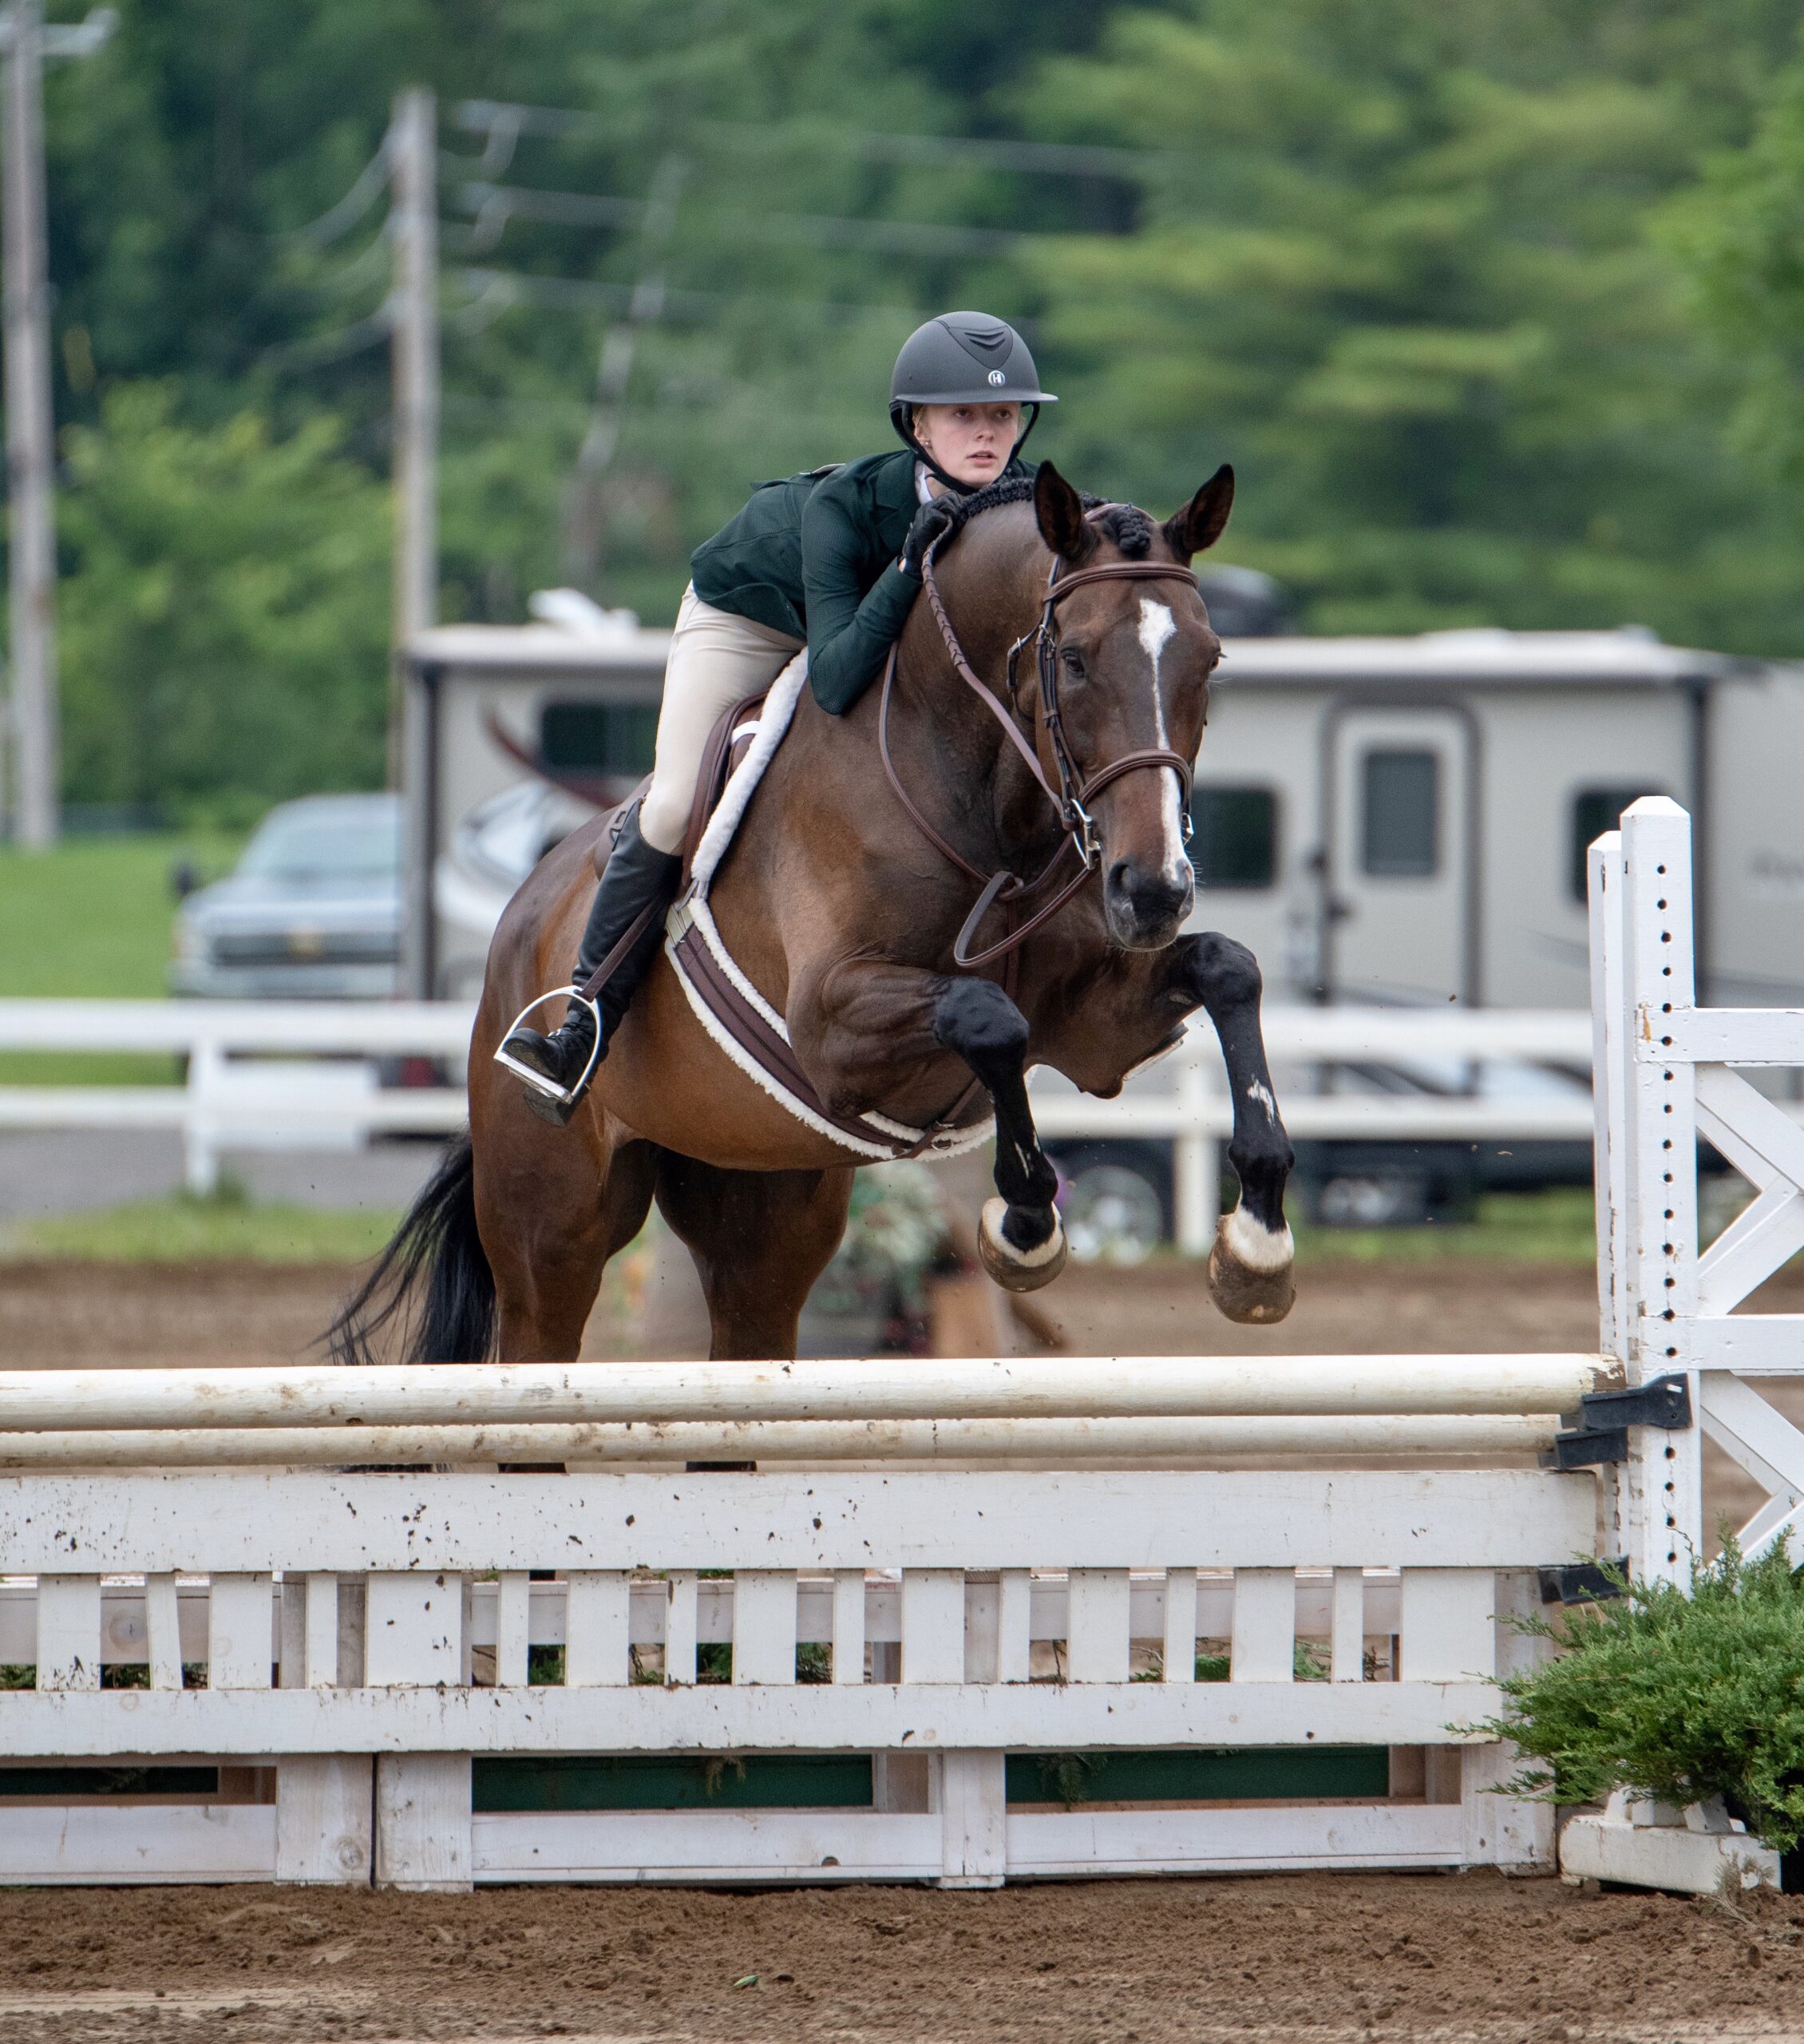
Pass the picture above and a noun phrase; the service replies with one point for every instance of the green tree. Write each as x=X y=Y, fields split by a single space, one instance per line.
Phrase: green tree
x=224 y=608
x=1400 y=272
x=1739 y=235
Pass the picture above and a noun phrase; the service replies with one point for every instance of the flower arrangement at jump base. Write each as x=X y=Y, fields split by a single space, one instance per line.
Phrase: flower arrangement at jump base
x=1675 y=1694
x=894 y=1241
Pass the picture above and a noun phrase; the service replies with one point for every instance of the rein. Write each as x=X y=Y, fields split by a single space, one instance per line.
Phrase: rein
x=1073 y=791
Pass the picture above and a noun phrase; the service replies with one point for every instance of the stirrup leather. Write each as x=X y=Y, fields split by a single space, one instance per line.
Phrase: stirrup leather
x=536 y=1080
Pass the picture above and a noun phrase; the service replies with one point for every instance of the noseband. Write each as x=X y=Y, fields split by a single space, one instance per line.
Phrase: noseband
x=1074 y=791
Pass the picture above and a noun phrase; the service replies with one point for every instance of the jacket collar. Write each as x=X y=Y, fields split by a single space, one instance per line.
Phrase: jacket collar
x=894 y=484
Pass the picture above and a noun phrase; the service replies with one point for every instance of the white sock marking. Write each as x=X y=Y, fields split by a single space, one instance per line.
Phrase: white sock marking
x=1251 y=1243
x=1156 y=625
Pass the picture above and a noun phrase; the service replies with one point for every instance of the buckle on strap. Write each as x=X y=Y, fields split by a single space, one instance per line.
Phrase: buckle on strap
x=1084 y=834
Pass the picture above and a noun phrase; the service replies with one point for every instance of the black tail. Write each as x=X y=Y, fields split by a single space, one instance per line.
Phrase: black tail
x=438 y=1243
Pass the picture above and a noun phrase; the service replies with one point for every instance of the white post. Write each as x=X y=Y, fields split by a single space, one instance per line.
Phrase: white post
x=200 y=1130
x=1665 y=1514
x=414 y=139
x=1196 y=1168
x=1605 y=879
x=30 y=454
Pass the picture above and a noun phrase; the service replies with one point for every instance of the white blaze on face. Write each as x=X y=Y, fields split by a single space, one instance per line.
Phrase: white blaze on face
x=1156 y=625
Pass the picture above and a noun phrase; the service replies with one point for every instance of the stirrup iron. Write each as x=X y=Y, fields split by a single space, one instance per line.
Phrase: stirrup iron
x=536 y=1082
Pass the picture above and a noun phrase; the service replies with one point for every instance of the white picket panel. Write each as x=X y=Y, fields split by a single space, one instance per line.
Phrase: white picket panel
x=512 y=1628
x=938 y=1519
x=764 y=1625
x=68 y=1632
x=597 y=1625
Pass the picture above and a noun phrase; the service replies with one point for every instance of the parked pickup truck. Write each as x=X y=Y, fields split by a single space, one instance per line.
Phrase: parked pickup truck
x=312 y=910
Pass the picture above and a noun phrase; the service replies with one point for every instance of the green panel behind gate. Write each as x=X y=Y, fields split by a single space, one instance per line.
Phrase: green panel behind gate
x=763 y=1781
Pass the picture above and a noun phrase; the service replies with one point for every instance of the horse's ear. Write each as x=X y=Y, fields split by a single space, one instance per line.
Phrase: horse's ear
x=1197 y=527
x=1060 y=511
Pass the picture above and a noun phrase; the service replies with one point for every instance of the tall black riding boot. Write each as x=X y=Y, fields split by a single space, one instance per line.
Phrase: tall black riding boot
x=637 y=876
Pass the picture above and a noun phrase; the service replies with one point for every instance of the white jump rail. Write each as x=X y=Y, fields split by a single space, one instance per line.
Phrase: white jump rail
x=235 y=1097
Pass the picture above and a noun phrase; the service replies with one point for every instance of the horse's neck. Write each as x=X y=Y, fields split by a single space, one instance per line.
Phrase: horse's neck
x=960 y=754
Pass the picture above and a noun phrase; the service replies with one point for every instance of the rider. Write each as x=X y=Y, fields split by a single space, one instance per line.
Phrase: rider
x=832 y=558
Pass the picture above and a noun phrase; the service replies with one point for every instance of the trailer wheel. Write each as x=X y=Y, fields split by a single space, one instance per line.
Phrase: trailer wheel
x=1113 y=1202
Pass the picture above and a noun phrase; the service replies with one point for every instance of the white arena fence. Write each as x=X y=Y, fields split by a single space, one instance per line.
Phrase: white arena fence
x=285 y=1074
x=959 y=1621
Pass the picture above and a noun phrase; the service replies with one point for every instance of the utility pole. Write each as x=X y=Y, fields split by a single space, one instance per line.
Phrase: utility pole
x=30 y=430
x=413 y=311
x=30 y=443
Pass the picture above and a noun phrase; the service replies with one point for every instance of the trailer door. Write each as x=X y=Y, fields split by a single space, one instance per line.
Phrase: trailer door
x=1399 y=888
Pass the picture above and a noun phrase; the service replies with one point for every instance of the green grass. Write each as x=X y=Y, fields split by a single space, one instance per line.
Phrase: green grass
x=1533 y=1227
x=182 y=1229
x=1555 y=1226
x=93 y=917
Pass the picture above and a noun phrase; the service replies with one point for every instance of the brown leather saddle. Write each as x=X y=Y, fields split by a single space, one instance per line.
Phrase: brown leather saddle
x=728 y=744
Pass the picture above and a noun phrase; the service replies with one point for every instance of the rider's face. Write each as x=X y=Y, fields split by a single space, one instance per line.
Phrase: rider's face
x=971 y=442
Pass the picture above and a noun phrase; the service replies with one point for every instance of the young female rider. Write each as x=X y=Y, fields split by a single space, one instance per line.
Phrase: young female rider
x=832 y=558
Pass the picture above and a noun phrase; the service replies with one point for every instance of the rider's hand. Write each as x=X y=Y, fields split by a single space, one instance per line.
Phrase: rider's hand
x=931 y=521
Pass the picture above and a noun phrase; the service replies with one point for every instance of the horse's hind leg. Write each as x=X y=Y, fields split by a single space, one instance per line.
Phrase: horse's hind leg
x=549 y=1228
x=759 y=1239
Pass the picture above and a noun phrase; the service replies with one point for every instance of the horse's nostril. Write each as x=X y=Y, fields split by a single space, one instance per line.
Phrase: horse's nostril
x=1148 y=896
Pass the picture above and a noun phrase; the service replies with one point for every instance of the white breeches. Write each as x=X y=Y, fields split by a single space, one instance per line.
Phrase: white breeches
x=716 y=659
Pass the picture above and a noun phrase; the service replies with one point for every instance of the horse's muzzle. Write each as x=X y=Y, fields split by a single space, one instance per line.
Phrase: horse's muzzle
x=1146 y=907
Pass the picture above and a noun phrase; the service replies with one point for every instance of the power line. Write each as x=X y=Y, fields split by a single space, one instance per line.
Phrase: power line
x=371 y=181
x=594 y=294
x=315 y=351
x=507 y=121
x=494 y=205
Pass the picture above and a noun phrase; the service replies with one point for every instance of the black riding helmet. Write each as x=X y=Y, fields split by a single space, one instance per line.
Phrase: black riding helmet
x=963 y=358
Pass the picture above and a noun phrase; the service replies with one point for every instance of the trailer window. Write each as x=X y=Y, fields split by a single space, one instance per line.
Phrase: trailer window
x=1401 y=838
x=1235 y=836
x=1596 y=810
x=598 y=737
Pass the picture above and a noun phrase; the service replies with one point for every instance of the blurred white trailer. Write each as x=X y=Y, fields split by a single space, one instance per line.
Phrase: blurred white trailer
x=1398 y=820
x=503 y=721
x=1403 y=821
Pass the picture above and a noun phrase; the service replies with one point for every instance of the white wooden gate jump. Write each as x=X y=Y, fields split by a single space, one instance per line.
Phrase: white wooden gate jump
x=333 y=1672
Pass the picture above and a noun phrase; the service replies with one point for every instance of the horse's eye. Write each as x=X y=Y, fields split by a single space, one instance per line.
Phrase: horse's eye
x=1073 y=662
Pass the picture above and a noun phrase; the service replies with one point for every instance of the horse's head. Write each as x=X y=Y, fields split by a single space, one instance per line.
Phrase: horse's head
x=1133 y=659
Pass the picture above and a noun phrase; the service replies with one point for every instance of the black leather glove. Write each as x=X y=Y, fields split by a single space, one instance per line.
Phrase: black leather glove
x=931 y=521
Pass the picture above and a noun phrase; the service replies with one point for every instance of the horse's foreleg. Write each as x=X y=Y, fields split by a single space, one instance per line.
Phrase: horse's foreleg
x=871 y=1034
x=1019 y=1236
x=1250 y=1265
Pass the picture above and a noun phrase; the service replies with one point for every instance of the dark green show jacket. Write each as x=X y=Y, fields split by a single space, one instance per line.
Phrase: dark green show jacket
x=815 y=556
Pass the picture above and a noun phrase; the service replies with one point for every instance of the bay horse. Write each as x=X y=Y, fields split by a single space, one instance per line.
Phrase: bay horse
x=841 y=902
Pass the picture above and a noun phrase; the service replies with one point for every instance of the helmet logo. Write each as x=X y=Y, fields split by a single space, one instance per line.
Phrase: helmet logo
x=997 y=377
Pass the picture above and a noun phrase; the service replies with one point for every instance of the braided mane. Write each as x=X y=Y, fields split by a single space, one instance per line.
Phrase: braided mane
x=1130 y=528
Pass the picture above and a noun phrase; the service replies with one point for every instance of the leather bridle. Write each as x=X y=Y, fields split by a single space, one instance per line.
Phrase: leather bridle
x=1074 y=791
